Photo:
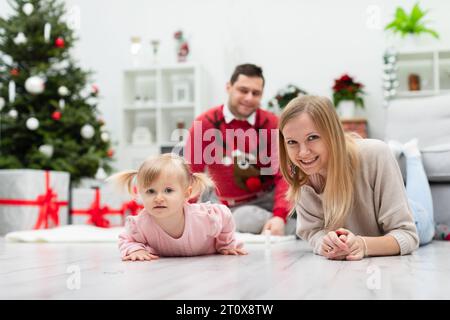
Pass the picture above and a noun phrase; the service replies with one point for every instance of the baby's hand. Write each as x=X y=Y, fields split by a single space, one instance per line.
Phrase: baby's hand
x=140 y=255
x=235 y=252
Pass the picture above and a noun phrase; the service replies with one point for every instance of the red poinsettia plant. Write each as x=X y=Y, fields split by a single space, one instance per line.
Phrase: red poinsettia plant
x=345 y=88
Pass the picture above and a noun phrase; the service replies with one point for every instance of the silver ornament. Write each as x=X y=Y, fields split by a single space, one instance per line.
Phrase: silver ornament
x=63 y=91
x=32 y=123
x=101 y=174
x=2 y=103
x=20 y=39
x=46 y=150
x=47 y=31
x=87 y=131
x=62 y=104
x=28 y=8
x=104 y=136
x=13 y=113
x=35 y=85
x=12 y=91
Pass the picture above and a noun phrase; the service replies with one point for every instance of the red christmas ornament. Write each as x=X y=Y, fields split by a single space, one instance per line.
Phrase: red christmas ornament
x=253 y=184
x=447 y=237
x=56 y=115
x=59 y=42
x=94 y=89
x=110 y=153
x=14 y=72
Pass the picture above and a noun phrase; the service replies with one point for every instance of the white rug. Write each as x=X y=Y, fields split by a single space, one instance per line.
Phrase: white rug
x=85 y=233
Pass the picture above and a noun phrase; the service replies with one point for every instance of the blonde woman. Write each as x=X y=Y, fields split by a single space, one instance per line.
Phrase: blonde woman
x=349 y=194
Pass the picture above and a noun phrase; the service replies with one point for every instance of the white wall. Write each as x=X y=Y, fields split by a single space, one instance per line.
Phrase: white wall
x=308 y=43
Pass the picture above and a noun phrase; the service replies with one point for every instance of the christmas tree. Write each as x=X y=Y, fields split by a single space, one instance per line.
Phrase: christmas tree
x=48 y=106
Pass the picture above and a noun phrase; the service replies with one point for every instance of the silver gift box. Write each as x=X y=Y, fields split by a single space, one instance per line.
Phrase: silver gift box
x=29 y=184
x=83 y=198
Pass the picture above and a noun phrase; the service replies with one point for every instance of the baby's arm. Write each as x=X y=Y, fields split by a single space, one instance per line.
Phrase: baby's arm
x=226 y=242
x=132 y=244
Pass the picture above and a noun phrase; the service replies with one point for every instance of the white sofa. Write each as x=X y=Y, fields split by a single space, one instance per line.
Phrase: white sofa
x=428 y=119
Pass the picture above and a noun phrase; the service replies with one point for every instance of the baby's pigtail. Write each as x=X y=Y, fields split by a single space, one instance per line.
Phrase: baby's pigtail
x=200 y=182
x=124 y=179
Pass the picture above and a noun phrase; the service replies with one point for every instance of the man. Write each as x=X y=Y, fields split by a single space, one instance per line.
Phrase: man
x=236 y=143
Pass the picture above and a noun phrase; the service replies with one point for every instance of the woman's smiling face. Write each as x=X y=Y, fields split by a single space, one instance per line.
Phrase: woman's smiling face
x=305 y=146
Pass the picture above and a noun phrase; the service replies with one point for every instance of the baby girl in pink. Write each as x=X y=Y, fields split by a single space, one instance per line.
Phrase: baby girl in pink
x=169 y=225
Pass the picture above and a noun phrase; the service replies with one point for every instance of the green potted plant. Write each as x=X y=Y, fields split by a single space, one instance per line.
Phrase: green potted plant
x=410 y=24
x=347 y=95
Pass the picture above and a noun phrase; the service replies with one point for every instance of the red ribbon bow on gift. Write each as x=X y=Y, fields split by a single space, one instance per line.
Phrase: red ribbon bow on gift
x=97 y=212
x=132 y=206
x=47 y=202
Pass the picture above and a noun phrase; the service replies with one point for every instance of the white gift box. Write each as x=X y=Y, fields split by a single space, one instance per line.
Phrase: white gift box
x=33 y=199
x=99 y=206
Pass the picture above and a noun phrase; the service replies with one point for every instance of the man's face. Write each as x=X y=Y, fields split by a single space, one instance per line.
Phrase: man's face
x=244 y=96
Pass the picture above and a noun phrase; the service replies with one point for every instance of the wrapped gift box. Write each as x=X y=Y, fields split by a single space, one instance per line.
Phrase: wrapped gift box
x=33 y=199
x=101 y=206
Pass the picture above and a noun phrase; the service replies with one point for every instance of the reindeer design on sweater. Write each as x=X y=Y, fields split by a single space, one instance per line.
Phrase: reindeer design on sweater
x=246 y=174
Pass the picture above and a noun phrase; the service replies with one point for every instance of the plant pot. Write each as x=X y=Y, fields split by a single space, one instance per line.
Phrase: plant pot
x=413 y=42
x=346 y=109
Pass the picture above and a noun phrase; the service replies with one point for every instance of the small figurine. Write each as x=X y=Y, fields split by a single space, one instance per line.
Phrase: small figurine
x=182 y=46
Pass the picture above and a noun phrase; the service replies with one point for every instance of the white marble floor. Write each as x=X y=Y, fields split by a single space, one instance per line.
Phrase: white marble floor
x=287 y=271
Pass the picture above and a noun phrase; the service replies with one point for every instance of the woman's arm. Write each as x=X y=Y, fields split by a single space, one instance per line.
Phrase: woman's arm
x=381 y=246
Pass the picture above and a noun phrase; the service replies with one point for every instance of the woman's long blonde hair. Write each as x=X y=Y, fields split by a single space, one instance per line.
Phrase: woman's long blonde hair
x=152 y=168
x=343 y=159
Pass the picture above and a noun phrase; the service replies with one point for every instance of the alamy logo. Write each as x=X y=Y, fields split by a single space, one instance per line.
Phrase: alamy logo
x=374 y=280
x=373 y=21
x=74 y=280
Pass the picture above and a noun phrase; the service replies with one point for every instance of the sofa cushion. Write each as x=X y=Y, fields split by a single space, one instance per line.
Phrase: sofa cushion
x=425 y=118
x=436 y=161
x=441 y=204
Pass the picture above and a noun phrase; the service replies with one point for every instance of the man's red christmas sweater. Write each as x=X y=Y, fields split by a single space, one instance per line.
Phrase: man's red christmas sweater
x=241 y=159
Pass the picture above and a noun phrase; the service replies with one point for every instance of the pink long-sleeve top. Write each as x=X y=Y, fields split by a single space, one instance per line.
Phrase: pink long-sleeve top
x=208 y=228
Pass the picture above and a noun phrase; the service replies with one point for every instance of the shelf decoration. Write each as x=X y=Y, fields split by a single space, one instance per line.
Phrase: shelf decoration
x=182 y=46
x=390 y=82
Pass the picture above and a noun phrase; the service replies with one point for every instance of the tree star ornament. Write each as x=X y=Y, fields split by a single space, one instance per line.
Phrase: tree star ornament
x=87 y=131
x=28 y=8
x=35 y=85
x=20 y=39
x=32 y=123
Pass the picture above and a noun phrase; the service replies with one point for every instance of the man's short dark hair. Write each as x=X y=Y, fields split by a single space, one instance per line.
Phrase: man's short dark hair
x=247 y=69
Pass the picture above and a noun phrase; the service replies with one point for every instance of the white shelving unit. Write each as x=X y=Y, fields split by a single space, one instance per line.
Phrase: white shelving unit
x=433 y=68
x=157 y=100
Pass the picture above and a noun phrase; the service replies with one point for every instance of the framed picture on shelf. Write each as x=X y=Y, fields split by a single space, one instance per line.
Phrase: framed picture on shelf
x=181 y=93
